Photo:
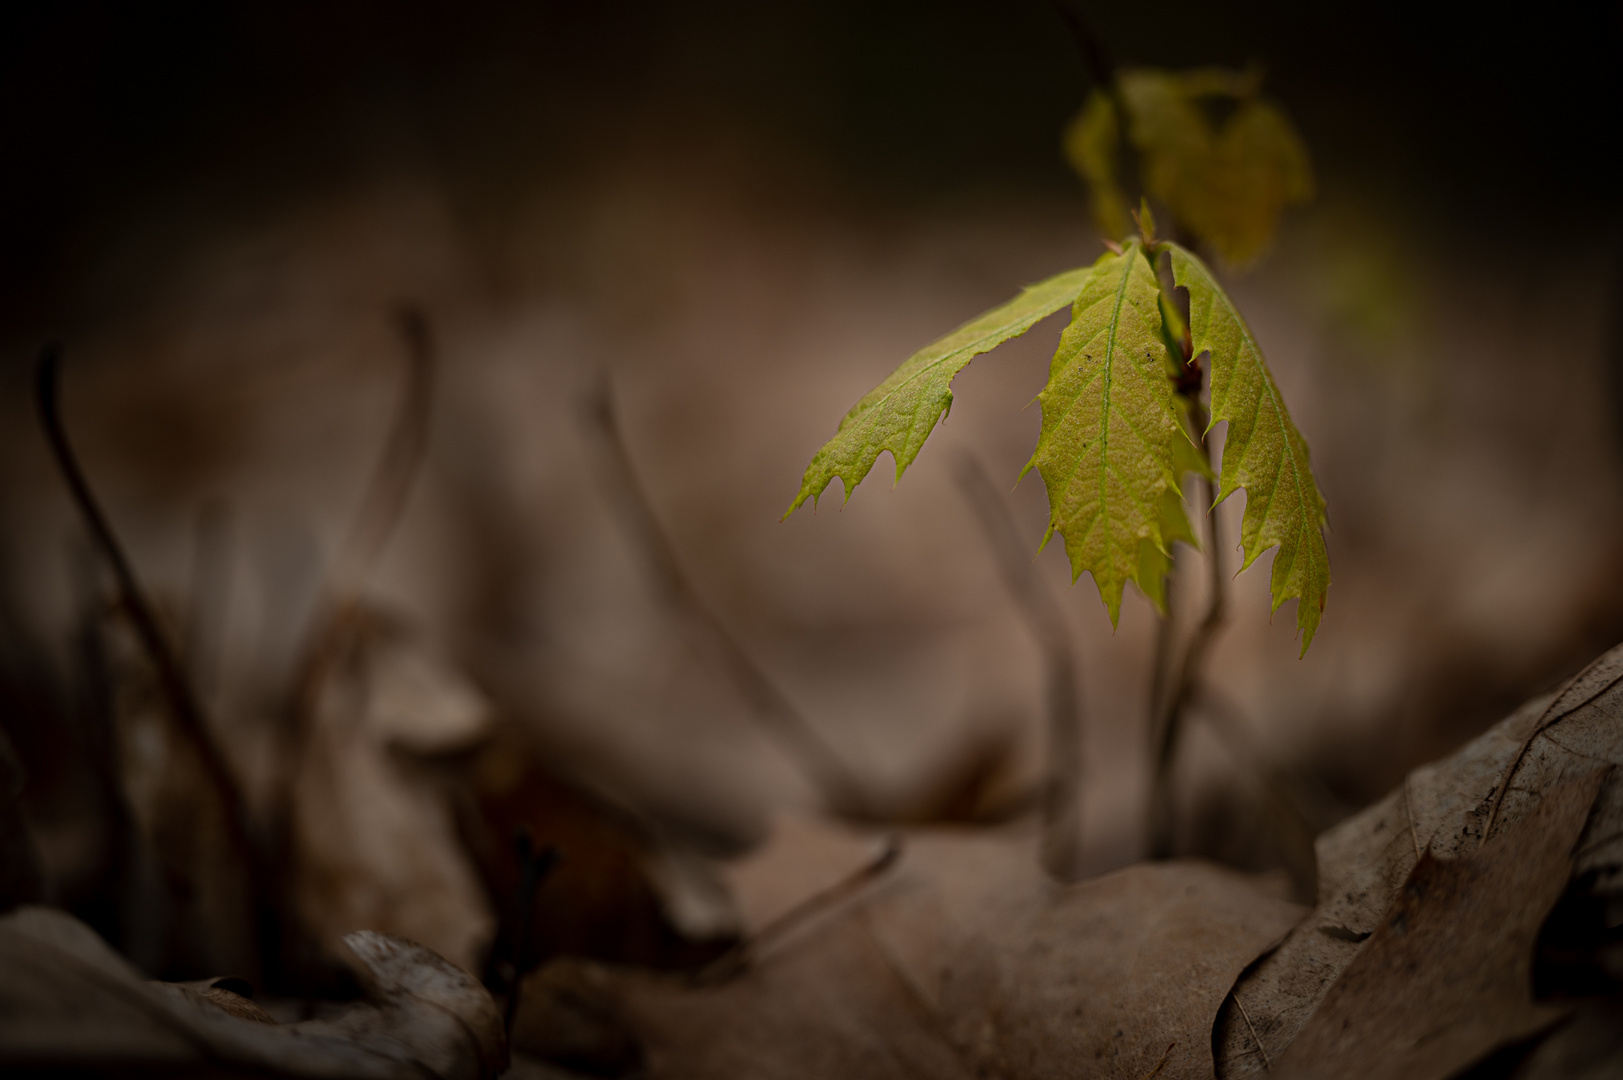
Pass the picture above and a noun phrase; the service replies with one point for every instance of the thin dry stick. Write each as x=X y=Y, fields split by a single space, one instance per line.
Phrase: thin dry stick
x=736 y=959
x=177 y=689
x=1176 y=702
x=379 y=513
x=1165 y=645
x=332 y=623
x=828 y=773
x=1168 y=704
x=534 y=866
x=1062 y=788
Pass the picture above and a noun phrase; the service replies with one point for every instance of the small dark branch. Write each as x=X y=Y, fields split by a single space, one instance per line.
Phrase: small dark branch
x=1165 y=644
x=380 y=511
x=402 y=455
x=737 y=959
x=176 y=689
x=331 y=628
x=1062 y=788
x=1168 y=725
x=826 y=770
x=534 y=866
x=1101 y=69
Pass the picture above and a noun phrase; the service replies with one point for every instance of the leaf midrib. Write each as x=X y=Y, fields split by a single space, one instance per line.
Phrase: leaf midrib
x=1108 y=376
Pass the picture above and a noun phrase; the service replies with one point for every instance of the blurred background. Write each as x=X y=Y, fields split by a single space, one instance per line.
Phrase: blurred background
x=267 y=235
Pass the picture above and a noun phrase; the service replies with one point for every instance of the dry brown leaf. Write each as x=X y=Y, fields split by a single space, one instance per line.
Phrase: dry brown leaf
x=1447 y=975
x=376 y=840
x=964 y=960
x=802 y=858
x=1442 y=807
x=67 y=1001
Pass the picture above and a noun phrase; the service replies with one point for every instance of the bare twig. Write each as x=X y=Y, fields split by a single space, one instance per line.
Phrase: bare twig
x=1166 y=641
x=1094 y=55
x=188 y=715
x=375 y=521
x=1176 y=703
x=736 y=959
x=1101 y=68
x=176 y=688
x=827 y=771
x=533 y=867
x=332 y=623
x=1062 y=789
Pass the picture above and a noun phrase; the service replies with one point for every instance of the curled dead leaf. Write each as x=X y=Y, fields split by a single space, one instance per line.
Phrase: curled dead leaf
x=69 y=1002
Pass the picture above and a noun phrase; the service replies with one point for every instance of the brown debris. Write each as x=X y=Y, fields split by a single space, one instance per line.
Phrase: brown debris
x=68 y=1002
x=1447 y=975
x=1441 y=808
x=965 y=960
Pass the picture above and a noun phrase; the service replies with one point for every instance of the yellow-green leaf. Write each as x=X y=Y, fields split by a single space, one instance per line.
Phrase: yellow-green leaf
x=1226 y=183
x=1257 y=166
x=899 y=413
x=1263 y=452
x=1090 y=142
x=1111 y=432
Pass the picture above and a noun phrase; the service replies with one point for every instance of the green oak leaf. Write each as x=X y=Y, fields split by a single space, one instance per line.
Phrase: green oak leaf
x=1263 y=452
x=1111 y=433
x=899 y=413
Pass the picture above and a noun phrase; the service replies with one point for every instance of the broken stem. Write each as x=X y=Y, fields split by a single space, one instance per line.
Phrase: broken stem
x=380 y=511
x=828 y=773
x=1062 y=788
x=1168 y=721
x=176 y=688
x=736 y=959
x=534 y=866
x=332 y=623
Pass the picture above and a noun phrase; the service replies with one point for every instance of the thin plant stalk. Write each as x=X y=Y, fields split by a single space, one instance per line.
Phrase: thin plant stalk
x=1181 y=691
x=1062 y=785
x=825 y=769
x=381 y=508
x=178 y=693
x=332 y=626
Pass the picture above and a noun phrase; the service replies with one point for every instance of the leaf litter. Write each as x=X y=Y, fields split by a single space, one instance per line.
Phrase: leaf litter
x=69 y=1002
x=963 y=960
x=1422 y=957
x=1438 y=815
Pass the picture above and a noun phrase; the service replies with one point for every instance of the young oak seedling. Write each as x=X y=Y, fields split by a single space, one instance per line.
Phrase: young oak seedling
x=1116 y=439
